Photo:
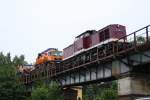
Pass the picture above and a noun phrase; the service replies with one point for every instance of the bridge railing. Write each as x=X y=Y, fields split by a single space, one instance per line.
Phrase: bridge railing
x=133 y=40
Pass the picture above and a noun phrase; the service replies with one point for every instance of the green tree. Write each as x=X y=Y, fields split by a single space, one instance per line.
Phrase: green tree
x=108 y=94
x=100 y=91
x=47 y=92
x=40 y=93
x=8 y=58
x=2 y=58
x=54 y=91
x=10 y=88
x=140 y=39
x=19 y=60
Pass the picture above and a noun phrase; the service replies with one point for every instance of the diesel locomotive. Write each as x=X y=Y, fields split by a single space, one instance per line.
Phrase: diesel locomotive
x=92 y=38
x=49 y=55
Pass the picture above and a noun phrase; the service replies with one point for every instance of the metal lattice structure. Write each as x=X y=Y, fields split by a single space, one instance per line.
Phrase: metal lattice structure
x=102 y=63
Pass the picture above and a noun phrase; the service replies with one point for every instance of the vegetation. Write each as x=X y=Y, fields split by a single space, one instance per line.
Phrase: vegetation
x=100 y=92
x=47 y=92
x=140 y=39
x=10 y=89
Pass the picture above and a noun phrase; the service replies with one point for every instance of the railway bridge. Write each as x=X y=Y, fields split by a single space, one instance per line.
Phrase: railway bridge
x=128 y=62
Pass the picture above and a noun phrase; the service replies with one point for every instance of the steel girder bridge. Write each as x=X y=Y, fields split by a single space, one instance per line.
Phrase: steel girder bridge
x=97 y=66
x=130 y=57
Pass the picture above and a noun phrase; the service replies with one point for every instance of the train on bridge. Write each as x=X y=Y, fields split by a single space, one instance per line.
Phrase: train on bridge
x=84 y=42
x=89 y=47
x=94 y=56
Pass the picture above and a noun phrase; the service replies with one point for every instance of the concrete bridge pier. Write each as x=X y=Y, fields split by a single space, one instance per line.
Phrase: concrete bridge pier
x=132 y=87
x=73 y=93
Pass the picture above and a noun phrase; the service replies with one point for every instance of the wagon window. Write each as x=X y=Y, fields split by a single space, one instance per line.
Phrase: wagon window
x=101 y=35
x=106 y=34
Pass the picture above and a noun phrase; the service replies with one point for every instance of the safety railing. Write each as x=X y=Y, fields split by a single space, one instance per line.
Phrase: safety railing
x=133 y=40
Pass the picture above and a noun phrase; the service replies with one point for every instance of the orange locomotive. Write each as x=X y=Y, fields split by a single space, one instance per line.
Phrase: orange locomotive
x=49 y=55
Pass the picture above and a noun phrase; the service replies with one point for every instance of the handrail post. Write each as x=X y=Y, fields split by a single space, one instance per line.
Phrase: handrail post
x=124 y=44
x=97 y=53
x=113 y=48
x=117 y=47
x=135 y=42
x=147 y=38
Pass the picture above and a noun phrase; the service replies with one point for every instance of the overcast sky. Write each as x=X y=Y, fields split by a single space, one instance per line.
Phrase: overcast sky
x=31 y=26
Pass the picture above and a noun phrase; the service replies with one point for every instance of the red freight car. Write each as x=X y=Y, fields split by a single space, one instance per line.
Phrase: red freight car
x=68 y=51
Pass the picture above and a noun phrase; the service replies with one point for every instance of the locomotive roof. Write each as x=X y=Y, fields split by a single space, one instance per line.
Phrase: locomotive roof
x=92 y=31
x=109 y=26
x=48 y=50
x=69 y=46
x=88 y=31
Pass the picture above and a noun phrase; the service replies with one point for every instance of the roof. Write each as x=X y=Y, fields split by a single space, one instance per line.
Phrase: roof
x=88 y=31
x=109 y=26
x=48 y=50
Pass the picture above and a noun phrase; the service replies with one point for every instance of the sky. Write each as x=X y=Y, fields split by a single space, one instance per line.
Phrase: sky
x=31 y=26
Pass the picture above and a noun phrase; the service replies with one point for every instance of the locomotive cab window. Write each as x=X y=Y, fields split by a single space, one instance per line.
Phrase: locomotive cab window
x=106 y=34
x=101 y=36
x=55 y=53
x=59 y=53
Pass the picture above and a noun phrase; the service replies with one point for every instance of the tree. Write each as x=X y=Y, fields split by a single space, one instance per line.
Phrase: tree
x=106 y=91
x=10 y=88
x=19 y=60
x=54 y=91
x=40 y=93
x=8 y=58
x=108 y=94
x=47 y=92
x=140 y=39
x=2 y=58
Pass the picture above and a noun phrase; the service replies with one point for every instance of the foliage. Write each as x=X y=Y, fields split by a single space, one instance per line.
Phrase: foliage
x=100 y=92
x=55 y=92
x=47 y=92
x=19 y=60
x=10 y=89
x=40 y=93
x=141 y=39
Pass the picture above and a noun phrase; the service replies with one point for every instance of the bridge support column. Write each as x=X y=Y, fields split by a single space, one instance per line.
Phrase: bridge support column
x=132 y=87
